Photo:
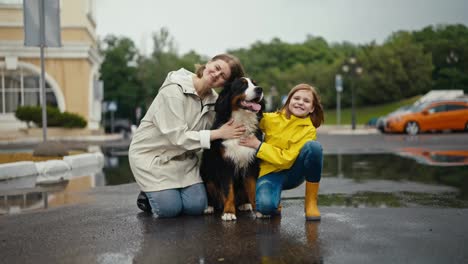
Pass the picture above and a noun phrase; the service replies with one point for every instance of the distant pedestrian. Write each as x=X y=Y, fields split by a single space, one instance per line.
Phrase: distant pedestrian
x=164 y=150
x=289 y=153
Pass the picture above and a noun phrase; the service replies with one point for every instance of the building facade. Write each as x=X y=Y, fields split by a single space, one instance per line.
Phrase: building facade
x=71 y=71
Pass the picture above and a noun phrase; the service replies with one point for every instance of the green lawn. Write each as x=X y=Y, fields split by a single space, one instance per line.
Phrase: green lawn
x=364 y=114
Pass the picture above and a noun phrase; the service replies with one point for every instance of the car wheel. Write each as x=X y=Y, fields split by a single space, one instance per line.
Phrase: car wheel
x=466 y=126
x=412 y=128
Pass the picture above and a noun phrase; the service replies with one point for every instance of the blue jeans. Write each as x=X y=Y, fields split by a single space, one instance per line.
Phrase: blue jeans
x=190 y=200
x=308 y=166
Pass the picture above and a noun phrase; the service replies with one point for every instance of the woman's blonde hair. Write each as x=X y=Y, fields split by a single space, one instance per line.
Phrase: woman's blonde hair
x=317 y=115
x=234 y=64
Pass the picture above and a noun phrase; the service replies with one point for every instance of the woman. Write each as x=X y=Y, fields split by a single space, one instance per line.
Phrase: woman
x=163 y=152
x=290 y=153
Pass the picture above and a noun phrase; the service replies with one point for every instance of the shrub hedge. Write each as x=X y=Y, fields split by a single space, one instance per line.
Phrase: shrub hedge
x=55 y=118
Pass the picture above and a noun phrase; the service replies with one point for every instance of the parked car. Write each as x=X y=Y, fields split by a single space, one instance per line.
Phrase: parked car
x=382 y=121
x=430 y=116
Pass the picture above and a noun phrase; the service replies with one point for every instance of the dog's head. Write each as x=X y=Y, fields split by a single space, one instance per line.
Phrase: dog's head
x=242 y=93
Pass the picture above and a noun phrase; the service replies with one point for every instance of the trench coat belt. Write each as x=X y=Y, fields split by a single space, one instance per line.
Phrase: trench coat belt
x=184 y=156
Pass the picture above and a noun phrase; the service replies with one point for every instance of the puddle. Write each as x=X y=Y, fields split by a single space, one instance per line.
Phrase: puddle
x=404 y=179
x=42 y=192
x=409 y=178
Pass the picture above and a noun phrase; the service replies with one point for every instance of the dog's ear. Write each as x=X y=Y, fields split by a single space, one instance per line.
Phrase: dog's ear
x=223 y=103
x=226 y=89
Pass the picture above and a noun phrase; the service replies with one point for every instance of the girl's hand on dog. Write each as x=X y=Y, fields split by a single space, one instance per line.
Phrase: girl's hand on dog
x=229 y=130
x=250 y=141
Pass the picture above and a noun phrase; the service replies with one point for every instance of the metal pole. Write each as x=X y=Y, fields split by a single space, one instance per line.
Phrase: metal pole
x=353 y=112
x=112 y=122
x=340 y=170
x=338 y=108
x=103 y=119
x=43 y=93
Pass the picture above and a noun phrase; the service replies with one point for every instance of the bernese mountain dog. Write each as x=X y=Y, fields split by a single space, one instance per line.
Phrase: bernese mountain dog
x=229 y=170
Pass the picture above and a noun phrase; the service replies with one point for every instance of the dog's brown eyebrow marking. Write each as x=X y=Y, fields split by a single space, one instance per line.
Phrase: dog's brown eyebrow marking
x=236 y=99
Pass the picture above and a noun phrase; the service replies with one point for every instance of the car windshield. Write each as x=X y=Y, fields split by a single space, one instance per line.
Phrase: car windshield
x=400 y=110
x=419 y=107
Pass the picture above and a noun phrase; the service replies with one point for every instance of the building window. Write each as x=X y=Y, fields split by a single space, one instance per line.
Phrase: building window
x=21 y=87
x=11 y=2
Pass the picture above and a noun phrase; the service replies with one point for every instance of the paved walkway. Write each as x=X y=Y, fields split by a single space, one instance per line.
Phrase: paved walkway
x=346 y=130
x=109 y=228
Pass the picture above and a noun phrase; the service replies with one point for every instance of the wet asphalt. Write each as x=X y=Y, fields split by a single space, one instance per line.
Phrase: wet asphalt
x=109 y=228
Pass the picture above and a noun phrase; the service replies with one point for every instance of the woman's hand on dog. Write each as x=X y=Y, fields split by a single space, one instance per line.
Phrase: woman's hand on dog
x=229 y=130
x=250 y=141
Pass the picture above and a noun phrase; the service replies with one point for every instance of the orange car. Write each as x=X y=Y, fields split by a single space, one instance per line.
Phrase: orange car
x=430 y=116
x=436 y=157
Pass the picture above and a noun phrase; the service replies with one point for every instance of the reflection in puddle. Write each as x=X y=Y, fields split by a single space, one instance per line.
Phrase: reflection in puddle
x=203 y=240
x=117 y=170
x=30 y=193
x=49 y=190
x=436 y=157
x=387 y=180
x=370 y=180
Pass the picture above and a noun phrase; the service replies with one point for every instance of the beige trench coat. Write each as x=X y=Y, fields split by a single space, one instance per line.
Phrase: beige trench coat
x=164 y=152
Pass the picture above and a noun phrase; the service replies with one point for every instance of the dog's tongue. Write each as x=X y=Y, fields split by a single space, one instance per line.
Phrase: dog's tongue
x=252 y=105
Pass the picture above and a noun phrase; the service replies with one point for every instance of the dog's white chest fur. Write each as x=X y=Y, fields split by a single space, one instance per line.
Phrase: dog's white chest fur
x=240 y=155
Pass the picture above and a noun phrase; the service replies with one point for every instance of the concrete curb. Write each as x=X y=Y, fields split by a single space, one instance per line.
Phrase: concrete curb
x=34 y=140
x=84 y=160
x=51 y=168
x=17 y=169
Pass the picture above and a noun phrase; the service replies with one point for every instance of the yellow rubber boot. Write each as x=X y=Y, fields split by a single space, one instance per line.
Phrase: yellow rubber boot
x=312 y=212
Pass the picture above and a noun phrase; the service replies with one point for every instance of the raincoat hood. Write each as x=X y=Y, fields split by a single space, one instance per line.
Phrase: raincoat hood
x=183 y=78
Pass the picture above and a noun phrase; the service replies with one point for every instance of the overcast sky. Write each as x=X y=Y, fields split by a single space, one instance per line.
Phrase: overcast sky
x=213 y=26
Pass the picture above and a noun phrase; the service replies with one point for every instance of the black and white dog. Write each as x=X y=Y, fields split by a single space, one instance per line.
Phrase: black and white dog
x=229 y=170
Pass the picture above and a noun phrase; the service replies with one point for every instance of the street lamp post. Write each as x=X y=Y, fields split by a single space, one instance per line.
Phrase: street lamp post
x=354 y=69
x=452 y=58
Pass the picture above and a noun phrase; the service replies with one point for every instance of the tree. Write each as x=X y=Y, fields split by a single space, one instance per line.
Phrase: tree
x=441 y=41
x=119 y=73
x=152 y=71
x=405 y=65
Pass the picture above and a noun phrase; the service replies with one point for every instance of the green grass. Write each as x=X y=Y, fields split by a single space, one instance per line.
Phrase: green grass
x=364 y=114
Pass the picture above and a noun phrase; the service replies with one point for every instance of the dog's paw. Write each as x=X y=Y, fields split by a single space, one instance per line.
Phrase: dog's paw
x=209 y=210
x=260 y=215
x=245 y=207
x=228 y=217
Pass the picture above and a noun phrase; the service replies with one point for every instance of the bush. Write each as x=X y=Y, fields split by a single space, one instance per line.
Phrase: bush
x=72 y=120
x=54 y=117
x=28 y=114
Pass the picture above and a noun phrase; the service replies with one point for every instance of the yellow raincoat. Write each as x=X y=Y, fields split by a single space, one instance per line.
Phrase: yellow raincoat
x=284 y=139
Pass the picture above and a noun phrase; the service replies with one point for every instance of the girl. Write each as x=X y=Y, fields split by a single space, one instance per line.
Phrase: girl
x=289 y=153
x=163 y=152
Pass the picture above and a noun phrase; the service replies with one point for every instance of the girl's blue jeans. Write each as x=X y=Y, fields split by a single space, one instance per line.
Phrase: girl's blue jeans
x=308 y=166
x=190 y=200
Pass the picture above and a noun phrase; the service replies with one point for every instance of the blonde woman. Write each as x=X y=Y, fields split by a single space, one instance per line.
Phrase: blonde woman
x=163 y=152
